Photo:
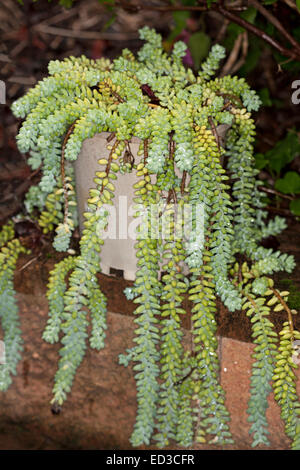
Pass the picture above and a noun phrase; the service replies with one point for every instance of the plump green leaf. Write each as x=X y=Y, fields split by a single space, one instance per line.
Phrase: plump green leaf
x=180 y=19
x=265 y=97
x=199 y=45
x=260 y=161
x=295 y=206
x=283 y=152
x=289 y=184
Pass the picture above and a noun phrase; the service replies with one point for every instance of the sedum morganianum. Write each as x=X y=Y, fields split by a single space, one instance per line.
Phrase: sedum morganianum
x=196 y=148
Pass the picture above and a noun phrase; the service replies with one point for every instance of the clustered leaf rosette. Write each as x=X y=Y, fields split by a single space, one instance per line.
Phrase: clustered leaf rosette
x=196 y=149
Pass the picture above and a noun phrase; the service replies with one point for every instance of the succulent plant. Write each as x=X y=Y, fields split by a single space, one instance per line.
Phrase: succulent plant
x=197 y=135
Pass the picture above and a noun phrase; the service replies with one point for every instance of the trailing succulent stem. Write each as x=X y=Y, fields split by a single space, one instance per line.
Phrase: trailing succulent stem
x=10 y=249
x=195 y=177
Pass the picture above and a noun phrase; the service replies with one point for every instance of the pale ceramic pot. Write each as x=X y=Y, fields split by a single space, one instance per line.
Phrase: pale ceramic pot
x=119 y=253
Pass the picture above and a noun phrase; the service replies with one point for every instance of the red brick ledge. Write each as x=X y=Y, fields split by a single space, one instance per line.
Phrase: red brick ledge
x=100 y=410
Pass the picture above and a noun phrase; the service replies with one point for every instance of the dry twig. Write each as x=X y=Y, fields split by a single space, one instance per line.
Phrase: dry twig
x=228 y=66
x=91 y=35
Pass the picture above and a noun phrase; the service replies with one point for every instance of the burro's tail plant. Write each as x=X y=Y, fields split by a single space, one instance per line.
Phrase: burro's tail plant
x=196 y=151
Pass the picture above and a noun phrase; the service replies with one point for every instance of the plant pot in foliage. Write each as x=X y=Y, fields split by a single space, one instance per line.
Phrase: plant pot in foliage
x=118 y=252
x=183 y=159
